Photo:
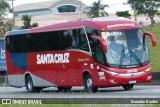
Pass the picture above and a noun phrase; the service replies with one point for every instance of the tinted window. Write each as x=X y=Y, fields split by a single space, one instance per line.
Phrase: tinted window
x=91 y=31
x=82 y=40
x=66 y=8
x=17 y=44
x=53 y=41
x=48 y=41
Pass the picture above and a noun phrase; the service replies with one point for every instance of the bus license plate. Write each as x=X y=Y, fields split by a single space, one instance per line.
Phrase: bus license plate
x=132 y=81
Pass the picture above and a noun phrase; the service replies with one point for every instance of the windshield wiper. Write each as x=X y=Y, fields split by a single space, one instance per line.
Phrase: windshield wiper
x=135 y=56
x=122 y=56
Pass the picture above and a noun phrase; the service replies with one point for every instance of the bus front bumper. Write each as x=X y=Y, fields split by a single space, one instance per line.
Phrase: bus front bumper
x=123 y=79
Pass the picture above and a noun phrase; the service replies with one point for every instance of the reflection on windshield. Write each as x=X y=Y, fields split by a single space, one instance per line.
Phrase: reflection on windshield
x=126 y=48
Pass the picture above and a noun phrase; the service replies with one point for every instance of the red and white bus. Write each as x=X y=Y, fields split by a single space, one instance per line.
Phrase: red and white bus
x=98 y=52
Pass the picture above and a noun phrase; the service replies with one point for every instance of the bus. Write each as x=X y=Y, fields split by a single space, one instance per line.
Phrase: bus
x=3 y=68
x=94 y=53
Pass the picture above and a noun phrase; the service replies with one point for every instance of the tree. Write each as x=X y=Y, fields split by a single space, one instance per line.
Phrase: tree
x=149 y=7
x=4 y=9
x=97 y=9
x=158 y=13
x=5 y=24
x=27 y=22
x=123 y=14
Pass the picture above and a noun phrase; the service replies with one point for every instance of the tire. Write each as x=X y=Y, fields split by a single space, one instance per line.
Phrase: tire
x=128 y=87
x=64 y=89
x=29 y=84
x=88 y=86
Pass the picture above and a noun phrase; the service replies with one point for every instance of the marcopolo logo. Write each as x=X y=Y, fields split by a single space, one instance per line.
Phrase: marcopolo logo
x=52 y=58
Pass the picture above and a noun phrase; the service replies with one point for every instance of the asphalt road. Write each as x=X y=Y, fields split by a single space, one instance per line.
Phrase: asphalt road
x=139 y=91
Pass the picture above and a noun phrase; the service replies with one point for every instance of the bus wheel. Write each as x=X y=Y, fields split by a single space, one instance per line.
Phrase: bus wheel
x=29 y=84
x=64 y=88
x=128 y=87
x=88 y=86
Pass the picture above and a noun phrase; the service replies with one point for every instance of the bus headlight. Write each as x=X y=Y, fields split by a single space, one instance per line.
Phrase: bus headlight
x=113 y=73
x=109 y=72
x=147 y=70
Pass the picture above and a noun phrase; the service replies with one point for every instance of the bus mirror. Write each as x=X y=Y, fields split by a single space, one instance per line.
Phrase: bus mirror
x=102 y=41
x=153 y=38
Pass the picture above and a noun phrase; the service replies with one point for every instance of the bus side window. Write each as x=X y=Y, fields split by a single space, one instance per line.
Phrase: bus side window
x=30 y=41
x=52 y=41
x=70 y=42
x=17 y=44
x=61 y=44
x=24 y=44
x=91 y=31
x=10 y=43
x=75 y=35
x=82 y=40
x=99 y=54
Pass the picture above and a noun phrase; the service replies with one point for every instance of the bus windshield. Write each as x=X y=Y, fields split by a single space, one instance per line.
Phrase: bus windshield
x=126 y=48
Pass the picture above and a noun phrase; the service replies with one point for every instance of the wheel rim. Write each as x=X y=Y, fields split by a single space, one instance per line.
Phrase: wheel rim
x=30 y=85
x=89 y=83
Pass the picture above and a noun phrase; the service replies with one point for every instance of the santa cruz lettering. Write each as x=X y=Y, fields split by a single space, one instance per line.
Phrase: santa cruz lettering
x=52 y=58
x=120 y=25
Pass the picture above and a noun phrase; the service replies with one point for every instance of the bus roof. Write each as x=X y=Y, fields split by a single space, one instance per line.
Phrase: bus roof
x=103 y=23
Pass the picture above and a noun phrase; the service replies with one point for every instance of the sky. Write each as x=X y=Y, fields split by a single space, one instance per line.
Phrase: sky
x=114 y=5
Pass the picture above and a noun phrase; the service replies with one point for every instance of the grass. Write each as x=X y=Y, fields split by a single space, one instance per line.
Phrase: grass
x=154 y=51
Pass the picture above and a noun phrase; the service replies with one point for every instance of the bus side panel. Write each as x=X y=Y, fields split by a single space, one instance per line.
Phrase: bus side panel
x=79 y=62
x=41 y=68
x=15 y=73
x=16 y=80
x=16 y=63
x=67 y=73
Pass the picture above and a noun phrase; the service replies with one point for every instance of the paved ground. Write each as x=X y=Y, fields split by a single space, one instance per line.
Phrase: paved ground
x=139 y=91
